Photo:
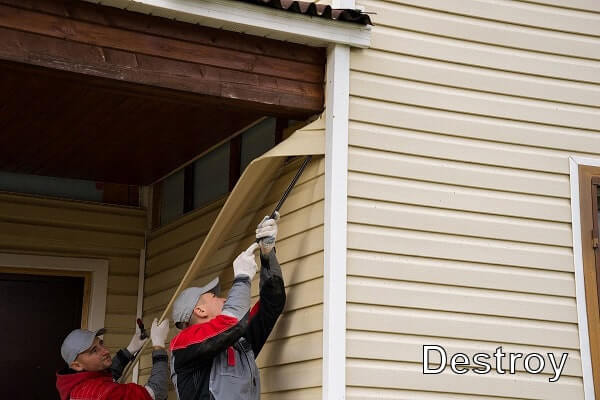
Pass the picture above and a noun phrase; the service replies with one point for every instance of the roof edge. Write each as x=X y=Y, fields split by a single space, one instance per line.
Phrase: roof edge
x=253 y=19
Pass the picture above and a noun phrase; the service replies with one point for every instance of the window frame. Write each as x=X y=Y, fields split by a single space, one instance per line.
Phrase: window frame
x=235 y=162
x=582 y=172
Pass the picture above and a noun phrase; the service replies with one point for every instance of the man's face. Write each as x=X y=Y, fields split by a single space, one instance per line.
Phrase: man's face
x=211 y=305
x=96 y=358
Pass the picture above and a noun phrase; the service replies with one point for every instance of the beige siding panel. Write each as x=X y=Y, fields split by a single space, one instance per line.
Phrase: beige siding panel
x=473 y=126
x=484 y=55
x=585 y=5
x=302 y=394
x=520 y=13
x=74 y=235
x=187 y=227
x=463 y=116
x=300 y=252
x=36 y=225
x=363 y=393
x=451 y=247
x=426 y=296
x=391 y=347
x=483 y=31
x=459 y=273
x=291 y=376
x=410 y=376
x=471 y=102
x=406 y=191
x=457 y=173
x=291 y=350
x=126 y=285
x=94 y=217
x=380 y=213
x=474 y=78
x=459 y=149
x=462 y=326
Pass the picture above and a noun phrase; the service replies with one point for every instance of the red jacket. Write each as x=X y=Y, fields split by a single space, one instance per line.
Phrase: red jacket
x=97 y=386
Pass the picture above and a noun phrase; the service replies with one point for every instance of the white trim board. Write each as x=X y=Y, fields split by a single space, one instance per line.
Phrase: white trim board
x=252 y=19
x=98 y=268
x=584 y=339
x=335 y=222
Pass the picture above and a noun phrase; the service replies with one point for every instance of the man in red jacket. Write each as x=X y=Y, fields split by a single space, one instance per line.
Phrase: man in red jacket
x=91 y=373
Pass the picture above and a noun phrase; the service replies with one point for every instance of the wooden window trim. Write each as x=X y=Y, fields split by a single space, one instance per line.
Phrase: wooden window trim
x=588 y=175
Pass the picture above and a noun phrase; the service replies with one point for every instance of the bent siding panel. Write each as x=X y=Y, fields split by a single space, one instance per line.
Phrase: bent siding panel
x=463 y=115
x=295 y=345
x=35 y=225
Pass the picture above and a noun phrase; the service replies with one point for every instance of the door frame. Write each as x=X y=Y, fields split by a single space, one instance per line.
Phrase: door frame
x=97 y=268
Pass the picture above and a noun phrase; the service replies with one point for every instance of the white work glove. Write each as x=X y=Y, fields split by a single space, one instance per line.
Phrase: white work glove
x=136 y=343
x=245 y=263
x=266 y=233
x=159 y=332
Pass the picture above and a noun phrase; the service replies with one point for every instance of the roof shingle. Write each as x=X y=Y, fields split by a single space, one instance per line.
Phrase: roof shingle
x=315 y=10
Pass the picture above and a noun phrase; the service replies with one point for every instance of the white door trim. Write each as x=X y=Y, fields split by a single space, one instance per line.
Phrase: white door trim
x=584 y=338
x=98 y=268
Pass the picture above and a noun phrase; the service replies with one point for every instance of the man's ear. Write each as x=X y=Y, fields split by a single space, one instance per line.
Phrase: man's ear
x=76 y=365
x=200 y=311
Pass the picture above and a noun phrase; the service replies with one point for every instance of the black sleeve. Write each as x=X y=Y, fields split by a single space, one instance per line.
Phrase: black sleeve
x=265 y=312
x=119 y=362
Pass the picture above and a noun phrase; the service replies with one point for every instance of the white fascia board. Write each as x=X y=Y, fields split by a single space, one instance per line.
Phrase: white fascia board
x=584 y=337
x=252 y=19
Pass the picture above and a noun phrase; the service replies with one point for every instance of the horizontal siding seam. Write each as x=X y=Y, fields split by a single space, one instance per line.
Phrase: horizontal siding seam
x=531 y=51
x=456 y=285
x=490 y=92
x=467 y=113
x=501 y=21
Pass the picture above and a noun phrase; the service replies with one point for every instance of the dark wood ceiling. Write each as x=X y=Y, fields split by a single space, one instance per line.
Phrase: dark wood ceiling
x=94 y=92
x=60 y=124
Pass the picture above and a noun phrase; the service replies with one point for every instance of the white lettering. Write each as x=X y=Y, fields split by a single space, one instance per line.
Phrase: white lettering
x=527 y=363
x=557 y=369
x=439 y=349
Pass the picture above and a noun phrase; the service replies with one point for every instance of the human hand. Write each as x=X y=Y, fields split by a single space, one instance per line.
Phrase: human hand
x=266 y=233
x=136 y=343
x=159 y=332
x=245 y=263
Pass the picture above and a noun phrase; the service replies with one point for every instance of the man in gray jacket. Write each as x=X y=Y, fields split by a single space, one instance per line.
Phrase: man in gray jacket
x=213 y=357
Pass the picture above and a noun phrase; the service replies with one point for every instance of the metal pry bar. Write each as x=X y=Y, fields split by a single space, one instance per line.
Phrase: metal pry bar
x=291 y=185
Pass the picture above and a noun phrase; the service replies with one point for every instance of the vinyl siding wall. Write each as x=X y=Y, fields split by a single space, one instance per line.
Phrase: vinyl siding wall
x=290 y=362
x=35 y=225
x=462 y=116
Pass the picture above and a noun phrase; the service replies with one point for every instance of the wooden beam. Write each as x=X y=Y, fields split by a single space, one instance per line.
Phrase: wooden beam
x=68 y=44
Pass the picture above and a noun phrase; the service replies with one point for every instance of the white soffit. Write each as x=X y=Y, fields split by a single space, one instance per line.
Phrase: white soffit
x=252 y=19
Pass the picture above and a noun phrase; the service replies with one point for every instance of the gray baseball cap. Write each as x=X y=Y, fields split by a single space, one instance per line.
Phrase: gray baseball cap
x=183 y=307
x=77 y=342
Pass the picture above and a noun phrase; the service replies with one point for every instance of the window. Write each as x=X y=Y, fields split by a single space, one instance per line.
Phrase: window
x=67 y=188
x=215 y=173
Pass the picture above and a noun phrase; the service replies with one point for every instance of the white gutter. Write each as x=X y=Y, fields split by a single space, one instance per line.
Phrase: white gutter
x=584 y=337
x=253 y=20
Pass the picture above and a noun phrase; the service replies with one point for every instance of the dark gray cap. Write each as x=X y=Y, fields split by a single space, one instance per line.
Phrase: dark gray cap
x=184 y=305
x=77 y=342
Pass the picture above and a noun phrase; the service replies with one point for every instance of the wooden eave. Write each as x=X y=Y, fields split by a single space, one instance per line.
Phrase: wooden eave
x=100 y=93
